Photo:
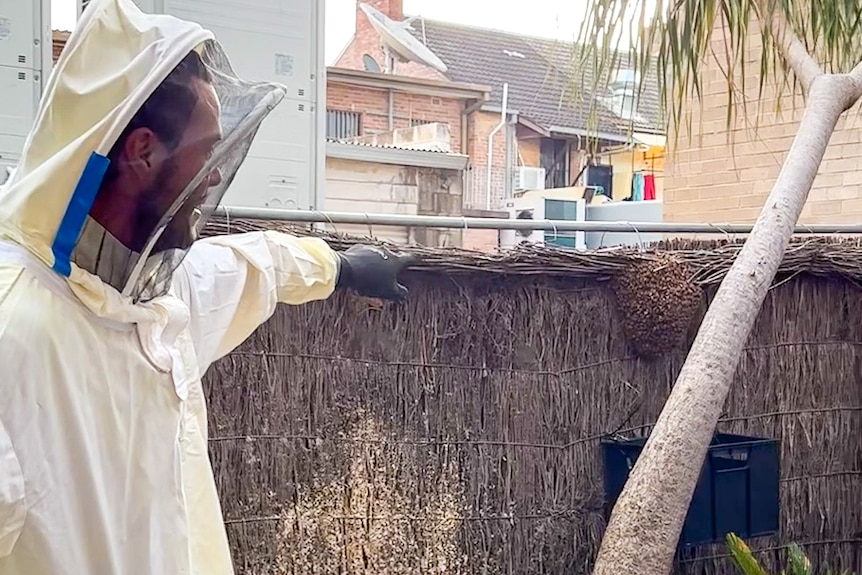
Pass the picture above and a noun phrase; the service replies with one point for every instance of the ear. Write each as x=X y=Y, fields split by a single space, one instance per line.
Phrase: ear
x=141 y=154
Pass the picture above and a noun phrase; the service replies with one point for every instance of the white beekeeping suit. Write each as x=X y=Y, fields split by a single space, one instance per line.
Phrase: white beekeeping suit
x=110 y=311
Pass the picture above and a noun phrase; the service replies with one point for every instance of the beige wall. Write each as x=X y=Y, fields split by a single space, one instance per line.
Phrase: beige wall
x=529 y=151
x=374 y=188
x=353 y=186
x=709 y=180
x=481 y=240
x=626 y=162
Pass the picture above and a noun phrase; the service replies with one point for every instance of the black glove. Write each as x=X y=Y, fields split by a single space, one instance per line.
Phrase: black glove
x=372 y=271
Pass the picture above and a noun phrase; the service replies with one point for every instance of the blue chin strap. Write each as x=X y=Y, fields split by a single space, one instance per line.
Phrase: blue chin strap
x=77 y=211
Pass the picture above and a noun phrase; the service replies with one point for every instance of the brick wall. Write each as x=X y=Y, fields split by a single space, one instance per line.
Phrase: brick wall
x=706 y=179
x=373 y=104
x=367 y=41
x=529 y=151
x=487 y=241
x=480 y=125
x=482 y=240
x=59 y=39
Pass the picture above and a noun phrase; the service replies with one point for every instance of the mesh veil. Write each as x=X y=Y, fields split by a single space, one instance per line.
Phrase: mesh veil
x=147 y=275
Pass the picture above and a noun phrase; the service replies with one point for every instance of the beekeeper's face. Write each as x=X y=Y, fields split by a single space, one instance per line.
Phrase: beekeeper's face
x=169 y=169
x=172 y=169
x=163 y=149
x=175 y=169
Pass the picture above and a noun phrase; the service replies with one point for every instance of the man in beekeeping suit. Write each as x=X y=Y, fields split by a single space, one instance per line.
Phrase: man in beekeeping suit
x=110 y=311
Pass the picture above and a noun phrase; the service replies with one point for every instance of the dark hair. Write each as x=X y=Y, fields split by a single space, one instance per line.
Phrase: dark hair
x=168 y=109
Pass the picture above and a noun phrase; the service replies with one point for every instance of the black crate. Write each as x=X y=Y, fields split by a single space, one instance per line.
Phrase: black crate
x=737 y=491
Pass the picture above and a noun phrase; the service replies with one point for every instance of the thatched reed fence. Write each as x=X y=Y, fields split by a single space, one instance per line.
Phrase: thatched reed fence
x=459 y=432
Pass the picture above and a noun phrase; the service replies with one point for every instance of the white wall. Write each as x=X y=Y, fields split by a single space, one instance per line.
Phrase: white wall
x=353 y=186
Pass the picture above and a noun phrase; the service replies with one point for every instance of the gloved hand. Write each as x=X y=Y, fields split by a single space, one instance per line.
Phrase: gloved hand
x=372 y=271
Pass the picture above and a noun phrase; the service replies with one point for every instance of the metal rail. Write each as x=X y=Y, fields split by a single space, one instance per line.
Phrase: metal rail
x=312 y=216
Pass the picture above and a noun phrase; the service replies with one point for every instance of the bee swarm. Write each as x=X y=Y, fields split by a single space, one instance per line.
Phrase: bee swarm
x=658 y=302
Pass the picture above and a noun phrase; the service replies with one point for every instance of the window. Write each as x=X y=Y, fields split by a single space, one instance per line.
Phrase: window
x=554 y=157
x=370 y=64
x=341 y=125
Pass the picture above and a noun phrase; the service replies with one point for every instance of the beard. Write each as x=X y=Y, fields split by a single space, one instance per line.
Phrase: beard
x=180 y=232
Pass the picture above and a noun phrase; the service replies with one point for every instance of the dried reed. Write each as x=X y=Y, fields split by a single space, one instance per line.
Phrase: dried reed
x=459 y=432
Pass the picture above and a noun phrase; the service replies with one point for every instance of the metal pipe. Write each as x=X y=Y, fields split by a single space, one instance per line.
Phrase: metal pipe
x=391 y=110
x=507 y=169
x=491 y=144
x=453 y=222
x=388 y=60
x=580 y=160
x=467 y=176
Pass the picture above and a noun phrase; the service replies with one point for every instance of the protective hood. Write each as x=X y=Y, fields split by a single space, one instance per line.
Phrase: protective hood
x=111 y=65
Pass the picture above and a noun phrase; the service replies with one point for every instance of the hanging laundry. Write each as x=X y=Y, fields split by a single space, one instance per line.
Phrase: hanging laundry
x=637 y=187
x=649 y=187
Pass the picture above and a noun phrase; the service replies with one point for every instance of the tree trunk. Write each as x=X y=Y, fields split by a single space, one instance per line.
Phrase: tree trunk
x=645 y=525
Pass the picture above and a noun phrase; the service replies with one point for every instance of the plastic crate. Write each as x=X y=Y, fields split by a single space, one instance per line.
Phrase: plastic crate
x=737 y=490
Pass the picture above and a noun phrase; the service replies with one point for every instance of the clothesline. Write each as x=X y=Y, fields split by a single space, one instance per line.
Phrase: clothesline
x=643 y=187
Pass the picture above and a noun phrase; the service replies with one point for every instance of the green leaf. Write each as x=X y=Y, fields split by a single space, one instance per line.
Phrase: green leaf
x=742 y=556
x=797 y=562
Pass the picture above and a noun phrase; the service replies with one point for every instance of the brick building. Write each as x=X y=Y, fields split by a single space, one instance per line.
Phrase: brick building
x=547 y=118
x=714 y=176
x=420 y=175
x=360 y=103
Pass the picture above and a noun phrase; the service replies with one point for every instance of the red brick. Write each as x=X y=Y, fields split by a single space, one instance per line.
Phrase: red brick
x=367 y=41
x=373 y=104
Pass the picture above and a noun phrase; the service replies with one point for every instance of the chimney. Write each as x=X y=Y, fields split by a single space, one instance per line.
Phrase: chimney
x=392 y=8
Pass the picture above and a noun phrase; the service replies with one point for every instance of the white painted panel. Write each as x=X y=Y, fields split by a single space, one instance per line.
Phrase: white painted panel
x=278 y=41
x=369 y=187
x=265 y=39
x=20 y=89
x=19 y=29
x=25 y=62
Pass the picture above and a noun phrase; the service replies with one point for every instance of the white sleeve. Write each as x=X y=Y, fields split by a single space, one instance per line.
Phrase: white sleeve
x=232 y=284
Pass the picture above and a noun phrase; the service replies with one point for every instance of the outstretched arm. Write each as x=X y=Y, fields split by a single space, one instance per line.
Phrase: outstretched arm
x=232 y=284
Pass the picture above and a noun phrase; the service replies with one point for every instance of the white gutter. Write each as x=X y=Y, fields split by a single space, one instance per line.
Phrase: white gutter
x=589 y=134
x=494 y=109
x=396 y=156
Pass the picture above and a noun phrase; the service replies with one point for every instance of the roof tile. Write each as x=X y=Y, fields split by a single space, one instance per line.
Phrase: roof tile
x=541 y=77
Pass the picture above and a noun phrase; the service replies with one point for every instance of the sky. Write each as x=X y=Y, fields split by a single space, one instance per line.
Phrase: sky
x=547 y=18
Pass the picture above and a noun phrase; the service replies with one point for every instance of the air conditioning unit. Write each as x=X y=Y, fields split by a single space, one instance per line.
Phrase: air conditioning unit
x=529 y=178
x=280 y=42
x=25 y=64
x=538 y=207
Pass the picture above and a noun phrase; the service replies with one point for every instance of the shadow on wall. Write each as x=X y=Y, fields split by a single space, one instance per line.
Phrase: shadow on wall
x=366 y=519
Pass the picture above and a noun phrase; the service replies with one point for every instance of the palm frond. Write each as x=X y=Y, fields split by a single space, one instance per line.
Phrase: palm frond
x=742 y=556
x=669 y=41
